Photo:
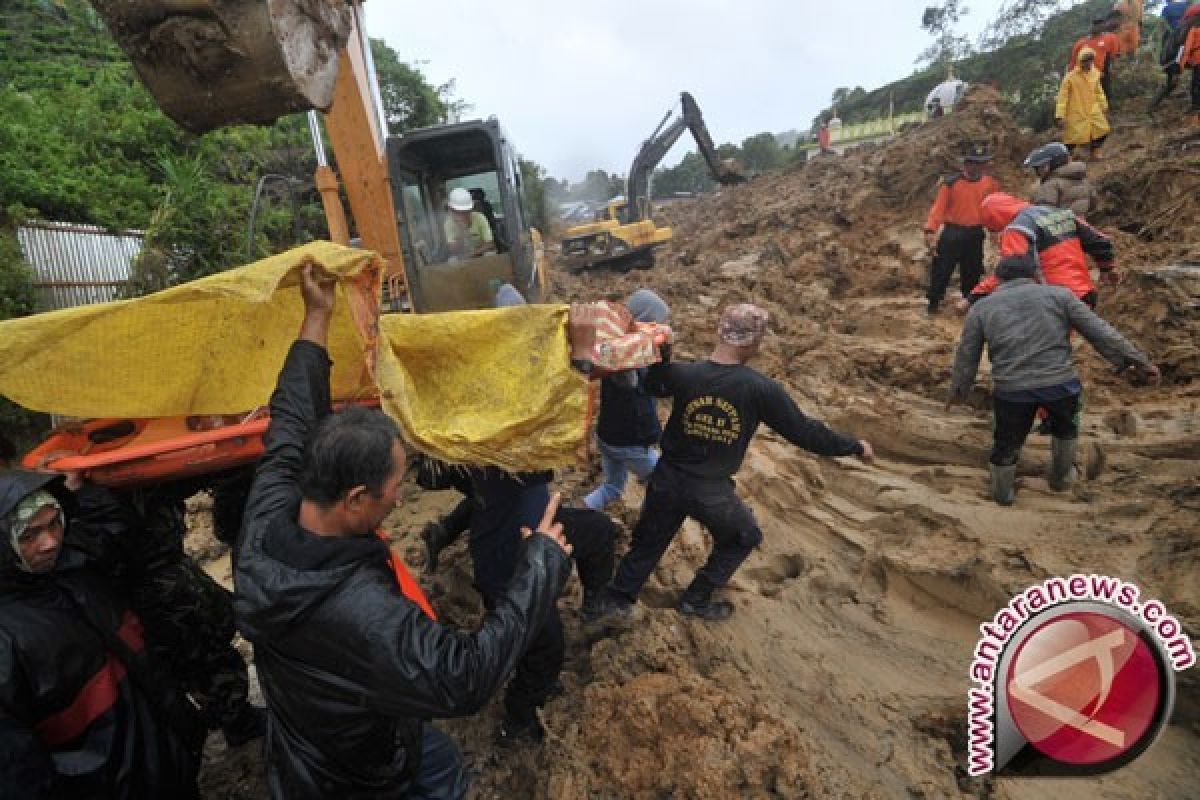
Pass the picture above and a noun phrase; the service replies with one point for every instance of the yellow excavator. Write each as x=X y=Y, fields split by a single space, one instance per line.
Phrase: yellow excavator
x=212 y=63
x=625 y=236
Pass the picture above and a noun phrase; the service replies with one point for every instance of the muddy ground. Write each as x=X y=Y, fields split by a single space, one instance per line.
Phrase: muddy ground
x=844 y=670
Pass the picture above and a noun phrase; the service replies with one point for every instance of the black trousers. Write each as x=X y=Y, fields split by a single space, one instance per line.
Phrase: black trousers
x=957 y=247
x=1195 y=90
x=1013 y=421
x=493 y=546
x=671 y=497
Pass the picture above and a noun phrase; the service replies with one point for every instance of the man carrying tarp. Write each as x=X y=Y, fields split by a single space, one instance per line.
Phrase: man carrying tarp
x=1026 y=326
x=352 y=669
x=718 y=405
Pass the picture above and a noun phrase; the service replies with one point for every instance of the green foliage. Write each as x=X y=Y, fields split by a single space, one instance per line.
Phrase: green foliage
x=689 y=176
x=82 y=141
x=409 y=101
x=17 y=298
x=762 y=152
x=533 y=193
x=940 y=21
x=17 y=295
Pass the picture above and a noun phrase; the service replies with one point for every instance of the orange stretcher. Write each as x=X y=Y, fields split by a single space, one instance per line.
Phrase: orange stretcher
x=138 y=452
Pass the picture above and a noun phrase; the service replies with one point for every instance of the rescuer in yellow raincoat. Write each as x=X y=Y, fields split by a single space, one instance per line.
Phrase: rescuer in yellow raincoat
x=1082 y=106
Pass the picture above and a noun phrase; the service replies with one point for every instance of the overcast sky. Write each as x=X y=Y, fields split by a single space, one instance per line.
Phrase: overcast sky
x=580 y=85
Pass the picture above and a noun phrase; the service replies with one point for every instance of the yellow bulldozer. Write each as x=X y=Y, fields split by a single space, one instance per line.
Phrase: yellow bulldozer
x=212 y=63
x=625 y=236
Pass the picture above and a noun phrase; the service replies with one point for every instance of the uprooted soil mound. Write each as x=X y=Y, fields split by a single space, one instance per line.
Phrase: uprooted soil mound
x=844 y=670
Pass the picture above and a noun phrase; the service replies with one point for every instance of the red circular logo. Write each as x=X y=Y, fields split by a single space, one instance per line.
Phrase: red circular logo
x=1084 y=688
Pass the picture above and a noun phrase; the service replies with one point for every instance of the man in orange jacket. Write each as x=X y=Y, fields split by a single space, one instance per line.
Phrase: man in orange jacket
x=1105 y=44
x=1058 y=239
x=1189 y=55
x=957 y=214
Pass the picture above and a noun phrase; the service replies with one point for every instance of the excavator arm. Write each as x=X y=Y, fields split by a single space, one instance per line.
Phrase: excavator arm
x=655 y=148
x=213 y=63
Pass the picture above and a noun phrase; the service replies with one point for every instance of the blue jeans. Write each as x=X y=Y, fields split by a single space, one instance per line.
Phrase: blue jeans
x=618 y=462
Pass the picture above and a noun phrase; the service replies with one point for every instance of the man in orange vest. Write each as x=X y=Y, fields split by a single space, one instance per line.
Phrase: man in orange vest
x=1129 y=24
x=1189 y=55
x=1105 y=44
x=957 y=214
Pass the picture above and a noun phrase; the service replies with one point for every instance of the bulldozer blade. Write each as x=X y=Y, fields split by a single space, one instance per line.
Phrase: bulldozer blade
x=211 y=63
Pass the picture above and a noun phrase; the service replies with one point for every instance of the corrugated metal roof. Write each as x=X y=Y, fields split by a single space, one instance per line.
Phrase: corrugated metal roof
x=77 y=265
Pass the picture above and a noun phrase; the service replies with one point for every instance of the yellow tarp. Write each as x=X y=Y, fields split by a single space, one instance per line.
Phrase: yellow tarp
x=492 y=387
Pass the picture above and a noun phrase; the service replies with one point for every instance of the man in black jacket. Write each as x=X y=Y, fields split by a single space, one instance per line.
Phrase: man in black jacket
x=85 y=712
x=718 y=405
x=353 y=670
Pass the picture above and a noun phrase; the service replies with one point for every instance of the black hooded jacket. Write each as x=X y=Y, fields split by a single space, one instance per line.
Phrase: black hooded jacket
x=83 y=711
x=350 y=667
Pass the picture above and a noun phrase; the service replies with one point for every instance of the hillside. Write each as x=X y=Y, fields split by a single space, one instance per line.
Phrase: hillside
x=1025 y=68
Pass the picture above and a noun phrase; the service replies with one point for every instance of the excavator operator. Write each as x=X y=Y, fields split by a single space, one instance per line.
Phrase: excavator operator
x=468 y=234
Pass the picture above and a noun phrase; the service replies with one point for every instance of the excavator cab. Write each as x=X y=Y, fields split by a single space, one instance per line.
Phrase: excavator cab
x=425 y=166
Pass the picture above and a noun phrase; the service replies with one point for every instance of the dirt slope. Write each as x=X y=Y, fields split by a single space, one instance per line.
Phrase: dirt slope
x=844 y=672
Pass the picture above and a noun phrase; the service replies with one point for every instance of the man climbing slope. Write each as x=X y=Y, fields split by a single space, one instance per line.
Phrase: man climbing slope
x=957 y=215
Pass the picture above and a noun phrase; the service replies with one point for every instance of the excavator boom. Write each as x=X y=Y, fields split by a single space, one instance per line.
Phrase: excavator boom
x=655 y=148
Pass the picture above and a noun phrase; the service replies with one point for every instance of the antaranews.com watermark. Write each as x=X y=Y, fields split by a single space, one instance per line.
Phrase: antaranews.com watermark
x=1077 y=671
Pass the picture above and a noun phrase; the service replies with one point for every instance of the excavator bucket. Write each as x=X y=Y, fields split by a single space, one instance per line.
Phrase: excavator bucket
x=211 y=63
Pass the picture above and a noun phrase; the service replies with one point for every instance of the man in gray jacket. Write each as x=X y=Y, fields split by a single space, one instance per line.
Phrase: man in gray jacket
x=1027 y=327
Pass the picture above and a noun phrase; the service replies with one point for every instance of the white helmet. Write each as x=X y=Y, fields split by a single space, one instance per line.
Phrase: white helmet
x=460 y=200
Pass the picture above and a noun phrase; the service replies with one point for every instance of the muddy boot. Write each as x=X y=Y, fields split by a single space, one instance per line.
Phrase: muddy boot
x=592 y=607
x=515 y=732
x=697 y=601
x=1004 y=483
x=1062 y=463
x=608 y=610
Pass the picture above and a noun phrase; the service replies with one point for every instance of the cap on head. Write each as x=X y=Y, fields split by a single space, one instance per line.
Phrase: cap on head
x=1087 y=54
x=742 y=325
x=460 y=200
x=28 y=508
x=977 y=153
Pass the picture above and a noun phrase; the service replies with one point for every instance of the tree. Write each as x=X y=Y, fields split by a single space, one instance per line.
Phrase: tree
x=940 y=22
x=534 y=190
x=409 y=100
x=689 y=176
x=762 y=152
x=1017 y=18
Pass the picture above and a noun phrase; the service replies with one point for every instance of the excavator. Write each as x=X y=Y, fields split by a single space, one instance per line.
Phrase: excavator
x=213 y=63
x=625 y=236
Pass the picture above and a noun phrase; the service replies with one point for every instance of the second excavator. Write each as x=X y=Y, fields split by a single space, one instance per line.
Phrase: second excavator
x=626 y=236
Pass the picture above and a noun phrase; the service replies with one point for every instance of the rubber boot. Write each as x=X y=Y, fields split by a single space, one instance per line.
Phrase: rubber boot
x=1062 y=463
x=1004 y=483
x=697 y=602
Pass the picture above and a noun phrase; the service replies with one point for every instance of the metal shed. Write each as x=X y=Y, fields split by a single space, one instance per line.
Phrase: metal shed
x=75 y=264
